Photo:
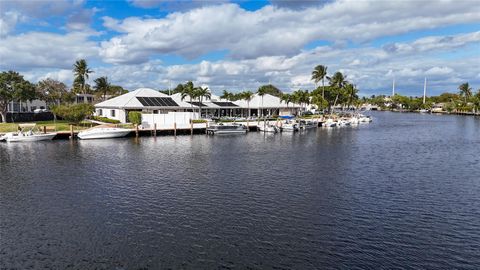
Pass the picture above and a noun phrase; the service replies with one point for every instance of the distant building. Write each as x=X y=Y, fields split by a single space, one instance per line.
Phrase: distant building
x=26 y=106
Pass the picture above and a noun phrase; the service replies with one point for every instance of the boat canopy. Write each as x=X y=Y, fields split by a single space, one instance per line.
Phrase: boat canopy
x=287 y=116
x=27 y=125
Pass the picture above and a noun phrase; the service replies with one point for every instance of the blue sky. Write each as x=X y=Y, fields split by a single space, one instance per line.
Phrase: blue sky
x=239 y=45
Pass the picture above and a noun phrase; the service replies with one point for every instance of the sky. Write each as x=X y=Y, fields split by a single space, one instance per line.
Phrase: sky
x=240 y=45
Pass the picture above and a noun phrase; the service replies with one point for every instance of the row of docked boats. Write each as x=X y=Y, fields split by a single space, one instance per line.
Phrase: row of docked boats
x=31 y=133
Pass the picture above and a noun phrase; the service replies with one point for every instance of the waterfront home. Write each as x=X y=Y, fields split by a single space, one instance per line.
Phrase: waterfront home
x=150 y=101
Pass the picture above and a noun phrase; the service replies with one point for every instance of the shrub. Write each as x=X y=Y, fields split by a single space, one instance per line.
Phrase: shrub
x=106 y=120
x=197 y=121
x=74 y=113
x=135 y=117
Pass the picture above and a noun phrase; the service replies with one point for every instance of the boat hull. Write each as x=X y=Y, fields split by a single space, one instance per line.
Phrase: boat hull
x=30 y=138
x=92 y=135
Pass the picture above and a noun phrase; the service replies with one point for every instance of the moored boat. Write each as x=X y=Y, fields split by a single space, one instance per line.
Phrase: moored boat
x=103 y=132
x=221 y=129
x=268 y=128
x=27 y=133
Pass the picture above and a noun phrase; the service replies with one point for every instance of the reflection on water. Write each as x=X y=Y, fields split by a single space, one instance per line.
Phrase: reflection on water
x=403 y=191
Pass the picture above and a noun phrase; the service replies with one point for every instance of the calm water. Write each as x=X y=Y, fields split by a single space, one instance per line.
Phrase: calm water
x=402 y=192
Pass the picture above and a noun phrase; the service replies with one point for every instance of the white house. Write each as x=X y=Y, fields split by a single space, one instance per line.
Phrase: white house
x=150 y=101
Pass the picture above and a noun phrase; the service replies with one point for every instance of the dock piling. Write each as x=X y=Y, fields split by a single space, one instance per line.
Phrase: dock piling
x=155 y=129
x=175 y=129
x=191 y=127
x=136 y=130
x=71 y=132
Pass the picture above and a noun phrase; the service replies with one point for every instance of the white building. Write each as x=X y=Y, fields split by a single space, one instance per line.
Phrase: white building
x=150 y=101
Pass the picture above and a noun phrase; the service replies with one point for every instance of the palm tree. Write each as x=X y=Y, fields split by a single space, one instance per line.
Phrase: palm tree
x=338 y=80
x=201 y=93
x=465 y=91
x=287 y=98
x=102 y=86
x=226 y=95
x=188 y=90
x=247 y=96
x=81 y=71
x=319 y=74
x=351 y=92
x=261 y=92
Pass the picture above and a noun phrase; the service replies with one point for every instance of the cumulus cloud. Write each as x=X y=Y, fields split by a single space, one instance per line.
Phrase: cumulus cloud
x=274 y=31
x=38 y=49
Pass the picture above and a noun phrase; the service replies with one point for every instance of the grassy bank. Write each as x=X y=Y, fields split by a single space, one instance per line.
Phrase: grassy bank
x=51 y=125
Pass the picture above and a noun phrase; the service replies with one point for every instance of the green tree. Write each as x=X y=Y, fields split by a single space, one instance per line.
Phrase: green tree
x=74 y=113
x=262 y=91
x=271 y=90
x=53 y=92
x=465 y=91
x=247 y=96
x=287 y=98
x=338 y=82
x=352 y=94
x=81 y=72
x=319 y=74
x=13 y=87
x=102 y=87
x=135 y=117
x=188 y=90
x=201 y=93
x=318 y=100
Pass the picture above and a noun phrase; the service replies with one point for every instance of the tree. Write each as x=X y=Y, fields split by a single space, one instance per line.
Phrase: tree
x=319 y=74
x=338 y=82
x=465 y=91
x=74 y=113
x=200 y=93
x=271 y=90
x=226 y=95
x=102 y=86
x=318 y=99
x=116 y=90
x=351 y=92
x=81 y=72
x=262 y=91
x=247 y=96
x=53 y=92
x=287 y=98
x=135 y=117
x=188 y=90
x=13 y=87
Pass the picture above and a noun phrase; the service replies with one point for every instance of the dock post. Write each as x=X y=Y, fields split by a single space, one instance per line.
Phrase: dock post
x=136 y=130
x=44 y=129
x=71 y=132
x=155 y=129
x=175 y=129
x=191 y=127
x=248 y=126
x=206 y=128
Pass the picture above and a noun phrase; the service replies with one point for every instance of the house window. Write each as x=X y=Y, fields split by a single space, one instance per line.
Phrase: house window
x=99 y=112
x=155 y=111
x=112 y=113
x=89 y=99
x=80 y=99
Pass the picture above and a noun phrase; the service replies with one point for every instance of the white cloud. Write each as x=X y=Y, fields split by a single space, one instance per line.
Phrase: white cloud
x=275 y=31
x=38 y=49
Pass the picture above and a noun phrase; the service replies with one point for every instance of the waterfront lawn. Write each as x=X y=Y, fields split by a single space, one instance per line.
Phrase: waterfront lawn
x=58 y=125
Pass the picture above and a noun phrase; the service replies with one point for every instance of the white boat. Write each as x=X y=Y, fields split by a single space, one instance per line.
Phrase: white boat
x=103 y=132
x=289 y=127
x=343 y=122
x=268 y=128
x=364 y=119
x=424 y=111
x=307 y=124
x=330 y=123
x=27 y=133
x=354 y=120
x=227 y=129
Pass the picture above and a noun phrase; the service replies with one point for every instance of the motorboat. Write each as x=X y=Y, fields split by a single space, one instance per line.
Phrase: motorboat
x=289 y=127
x=103 y=132
x=27 y=133
x=268 y=128
x=330 y=123
x=364 y=119
x=227 y=129
x=424 y=111
x=307 y=124
x=343 y=122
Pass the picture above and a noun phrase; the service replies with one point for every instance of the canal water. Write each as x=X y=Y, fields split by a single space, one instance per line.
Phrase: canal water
x=401 y=192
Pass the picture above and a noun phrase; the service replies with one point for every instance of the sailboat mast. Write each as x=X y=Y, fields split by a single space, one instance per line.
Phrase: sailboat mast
x=424 y=90
x=393 y=88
